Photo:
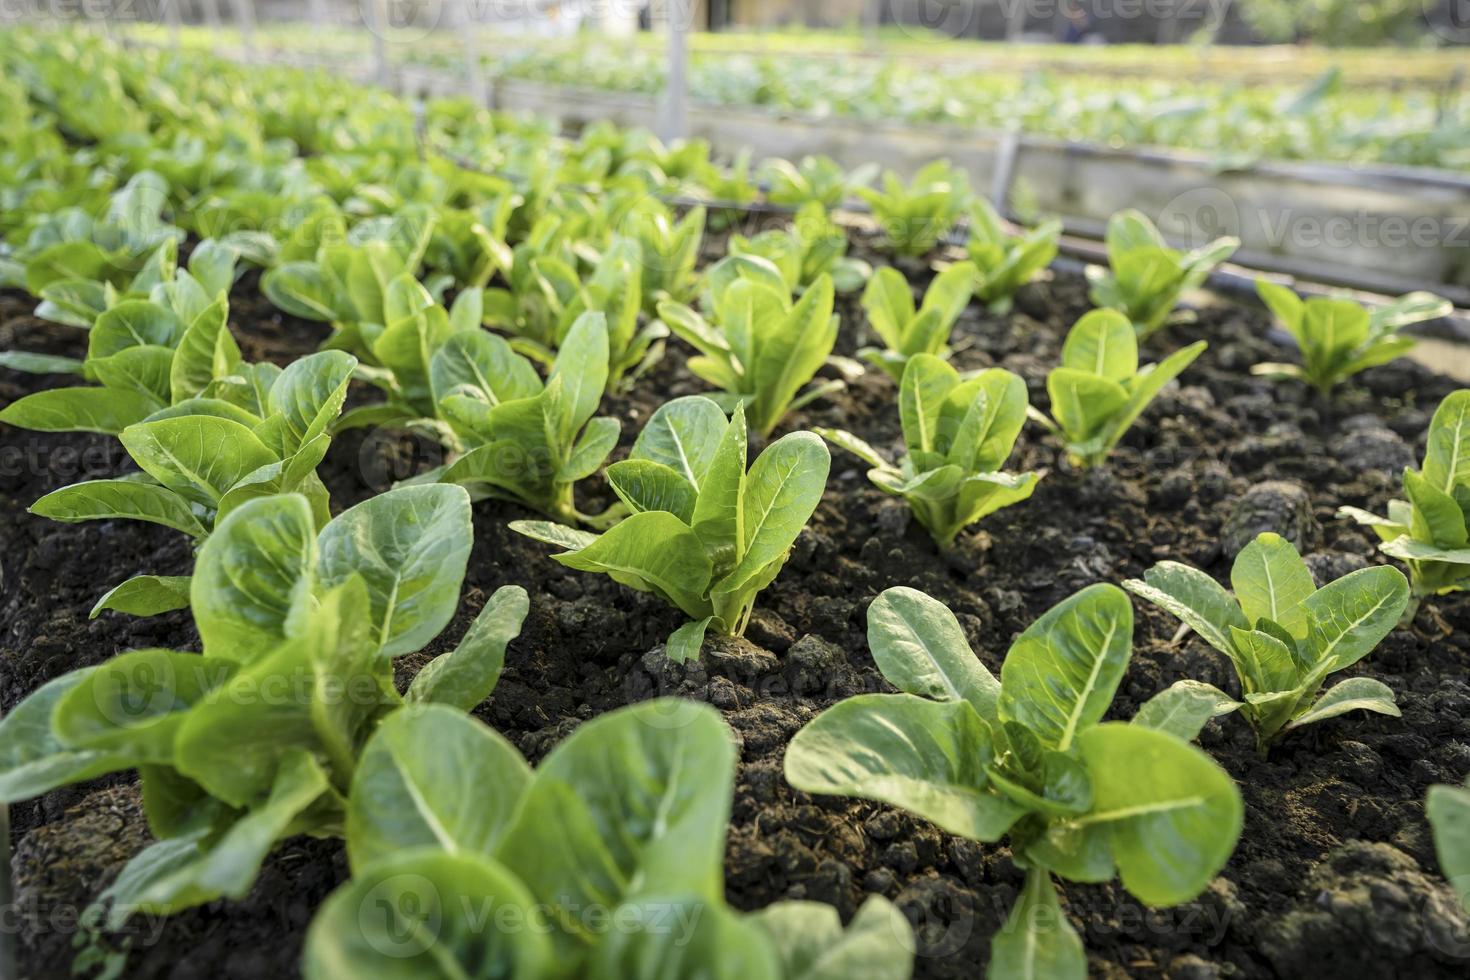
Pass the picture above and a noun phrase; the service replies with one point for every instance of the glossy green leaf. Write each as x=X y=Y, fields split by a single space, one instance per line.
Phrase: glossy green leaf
x=1195 y=598
x=928 y=757
x=684 y=435
x=1061 y=673
x=811 y=944
x=79 y=410
x=254 y=576
x=409 y=787
x=1184 y=708
x=411 y=546
x=1353 y=694
x=33 y=760
x=417 y=916
x=129 y=499
x=145 y=595
x=653 y=552
x=1037 y=942
x=466 y=675
x=921 y=649
x=1348 y=617
x=1272 y=582
x=1173 y=814
x=199 y=457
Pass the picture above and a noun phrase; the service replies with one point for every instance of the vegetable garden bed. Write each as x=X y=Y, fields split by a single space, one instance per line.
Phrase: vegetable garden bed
x=306 y=397
x=1335 y=871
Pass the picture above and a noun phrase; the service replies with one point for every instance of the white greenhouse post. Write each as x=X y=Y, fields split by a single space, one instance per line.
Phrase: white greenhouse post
x=676 y=83
x=377 y=12
x=473 y=69
x=175 y=25
x=245 y=18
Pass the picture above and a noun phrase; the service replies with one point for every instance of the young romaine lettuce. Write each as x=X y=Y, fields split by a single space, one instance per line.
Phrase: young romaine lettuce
x=526 y=441
x=258 y=738
x=1427 y=531
x=562 y=853
x=814 y=245
x=704 y=535
x=147 y=361
x=1005 y=262
x=471 y=244
x=1282 y=634
x=761 y=347
x=813 y=180
x=905 y=332
x=206 y=457
x=1098 y=391
x=1029 y=757
x=1338 y=337
x=1448 y=810
x=548 y=295
x=915 y=217
x=347 y=283
x=958 y=433
x=667 y=251
x=78 y=264
x=1146 y=278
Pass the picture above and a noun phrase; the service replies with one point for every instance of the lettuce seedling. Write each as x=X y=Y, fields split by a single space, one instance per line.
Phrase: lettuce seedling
x=199 y=465
x=471 y=244
x=704 y=535
x=1282 y=634
x=1005 y=262
x=1338 y=337
x=347 y=283
x=79 y=264
x=1098 y=391
x=761 y=347
x=542 y=848
x=889 y=303
x=526 y=441
x=258 y=738
x=814 y=180
x=667 y=251
x=147 y=362
x=1427 y=531
x=1027 y=757
x=813 y=246
x=958 y=433
x=914 y=217
x=1146 y=278
x=1448 y=810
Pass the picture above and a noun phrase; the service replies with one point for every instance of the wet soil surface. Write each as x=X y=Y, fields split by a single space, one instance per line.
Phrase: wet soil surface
x=1335 y=873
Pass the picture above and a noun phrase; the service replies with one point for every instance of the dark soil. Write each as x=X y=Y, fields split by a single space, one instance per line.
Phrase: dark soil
x=1335 y=873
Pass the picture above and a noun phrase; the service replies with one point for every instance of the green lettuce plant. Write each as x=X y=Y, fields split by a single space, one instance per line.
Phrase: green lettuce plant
x=146 y=361
x=813 y=179
x=1145 y=278
x=759 y=346
x=1005 y=262
x=525 y=441
x=1338 y=337
x=1027 y=757
x=1098 y=391
x=914 y=217
x=1427 y=531
x=958 y=433
x=580 y=881
x=812 y=246
x=346 y=283
x=705 y=535
x=197 y=468
x=1282 y=634
x=1448 y=810
x=667 y=251
x=258 y=738
x=889 y=302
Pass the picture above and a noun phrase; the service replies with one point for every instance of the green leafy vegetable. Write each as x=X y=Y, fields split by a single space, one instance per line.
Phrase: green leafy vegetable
x=761 y=347
x=1146 y=278
x=1282 y=634
x=958 y=434
x=1098 y=391
x=905 y=331
x=1427 y=531
x=1338 y=338
x=1027 y=757
x=704 y=534
x=1005 y=262
x=914 y=218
